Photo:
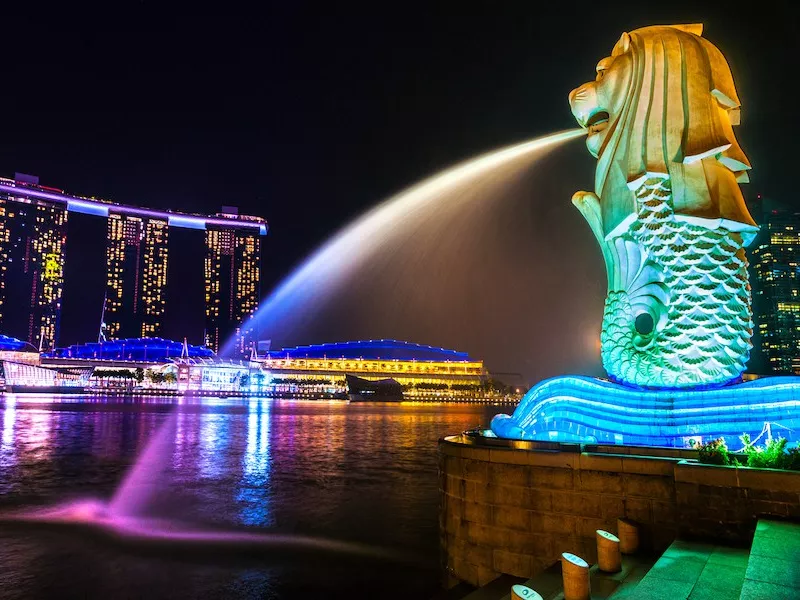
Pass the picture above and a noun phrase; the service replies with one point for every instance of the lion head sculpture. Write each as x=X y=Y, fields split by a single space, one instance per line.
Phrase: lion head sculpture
x=664 y=103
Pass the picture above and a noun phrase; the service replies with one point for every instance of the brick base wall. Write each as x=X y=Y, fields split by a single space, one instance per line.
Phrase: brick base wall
x=514 y=507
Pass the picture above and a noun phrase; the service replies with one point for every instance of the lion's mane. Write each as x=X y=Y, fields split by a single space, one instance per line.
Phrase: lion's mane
x=680 y=106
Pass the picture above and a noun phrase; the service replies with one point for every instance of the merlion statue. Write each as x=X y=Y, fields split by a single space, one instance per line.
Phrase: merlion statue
x=672 y=225
x=667 y=210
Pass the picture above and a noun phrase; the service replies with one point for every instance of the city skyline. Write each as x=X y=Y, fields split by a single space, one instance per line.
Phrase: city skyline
x=34 y=251
x=358 y=112
x=775 y=270
x=516 y=327
x=33 y=232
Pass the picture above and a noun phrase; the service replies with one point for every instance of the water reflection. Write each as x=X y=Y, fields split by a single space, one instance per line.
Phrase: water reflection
x=363 y=473
x=7 y=447
x=213 y=440
x=26 y=432
x=253 y=492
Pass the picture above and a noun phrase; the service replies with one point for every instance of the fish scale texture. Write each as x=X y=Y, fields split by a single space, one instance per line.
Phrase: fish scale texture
x=702 y=317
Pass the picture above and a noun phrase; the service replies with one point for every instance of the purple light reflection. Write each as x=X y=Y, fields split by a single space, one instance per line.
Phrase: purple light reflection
x=7 y=446
x=128 y=517
x=96 y=515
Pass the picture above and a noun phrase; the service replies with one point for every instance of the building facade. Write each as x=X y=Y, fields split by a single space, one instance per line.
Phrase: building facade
x=137 y=254
x=33 y=237
x=775 y=274
x=232 y=272
x=33 y=234
x=420 y=370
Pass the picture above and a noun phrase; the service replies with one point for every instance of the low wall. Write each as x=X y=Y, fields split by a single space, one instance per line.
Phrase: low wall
x=513 y=507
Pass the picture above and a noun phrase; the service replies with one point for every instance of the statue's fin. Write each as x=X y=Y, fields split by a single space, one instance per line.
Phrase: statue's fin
x=589 y=205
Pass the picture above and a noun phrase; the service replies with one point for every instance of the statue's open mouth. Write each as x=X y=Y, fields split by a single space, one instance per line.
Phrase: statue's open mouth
x=597 y=121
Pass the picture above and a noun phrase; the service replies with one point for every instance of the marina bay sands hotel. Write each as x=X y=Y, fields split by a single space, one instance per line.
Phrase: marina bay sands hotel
x=33 y=241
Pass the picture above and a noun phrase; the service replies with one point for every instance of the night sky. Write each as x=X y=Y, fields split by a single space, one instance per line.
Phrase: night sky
x=307 y=114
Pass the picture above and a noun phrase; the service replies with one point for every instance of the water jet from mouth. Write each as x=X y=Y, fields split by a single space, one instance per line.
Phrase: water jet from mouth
x=423 y=263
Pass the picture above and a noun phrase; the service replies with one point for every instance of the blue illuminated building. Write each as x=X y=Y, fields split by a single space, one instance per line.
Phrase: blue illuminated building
x=136 y=349
x=372 y=350
x=10 y=344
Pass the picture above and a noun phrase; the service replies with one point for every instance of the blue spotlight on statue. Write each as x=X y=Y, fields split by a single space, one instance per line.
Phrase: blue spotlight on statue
x=672 y=226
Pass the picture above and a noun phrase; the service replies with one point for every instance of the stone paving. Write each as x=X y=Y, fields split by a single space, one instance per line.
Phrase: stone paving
x=773 y=571
x=694 y=571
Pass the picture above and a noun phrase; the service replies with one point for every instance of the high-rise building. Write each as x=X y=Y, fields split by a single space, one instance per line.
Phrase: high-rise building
x=137 y=252
x=33 y=234
x=33 y=237
x=775 y=269
x=232 y=282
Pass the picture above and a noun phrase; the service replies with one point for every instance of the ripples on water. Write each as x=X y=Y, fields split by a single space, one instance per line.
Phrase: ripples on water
x=357 y=472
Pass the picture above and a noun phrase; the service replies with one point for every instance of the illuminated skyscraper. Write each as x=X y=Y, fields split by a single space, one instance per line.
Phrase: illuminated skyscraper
x=33 y=237
x=33 y=234
x=232 y=282
x=776 y=294
x=136 y=275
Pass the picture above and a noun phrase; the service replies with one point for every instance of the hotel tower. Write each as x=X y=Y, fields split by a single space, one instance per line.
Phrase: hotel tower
x=232 y=283
x=137 y=251
x=33 y=237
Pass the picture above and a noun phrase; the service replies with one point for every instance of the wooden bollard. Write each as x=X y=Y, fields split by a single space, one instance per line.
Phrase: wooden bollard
x=523 y=592
x=628 y=534
x=609 y=558
x=575 y=577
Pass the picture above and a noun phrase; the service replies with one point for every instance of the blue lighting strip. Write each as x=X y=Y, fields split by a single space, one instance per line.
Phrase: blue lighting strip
x=89 y=206
x=386 y=349
x=13 y=344
x=143 y=349
x=583 y=409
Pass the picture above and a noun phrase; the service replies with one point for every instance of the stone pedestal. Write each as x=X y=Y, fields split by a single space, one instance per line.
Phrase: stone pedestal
x=575 y=574
x=628 y=533
x=523 y=592
x=609 y=558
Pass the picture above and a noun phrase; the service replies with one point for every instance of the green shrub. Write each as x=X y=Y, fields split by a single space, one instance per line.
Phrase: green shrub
x=714 y=452
x=772 y=455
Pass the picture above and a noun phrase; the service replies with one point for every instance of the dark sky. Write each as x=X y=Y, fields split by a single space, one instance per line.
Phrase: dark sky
x=308 y=113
